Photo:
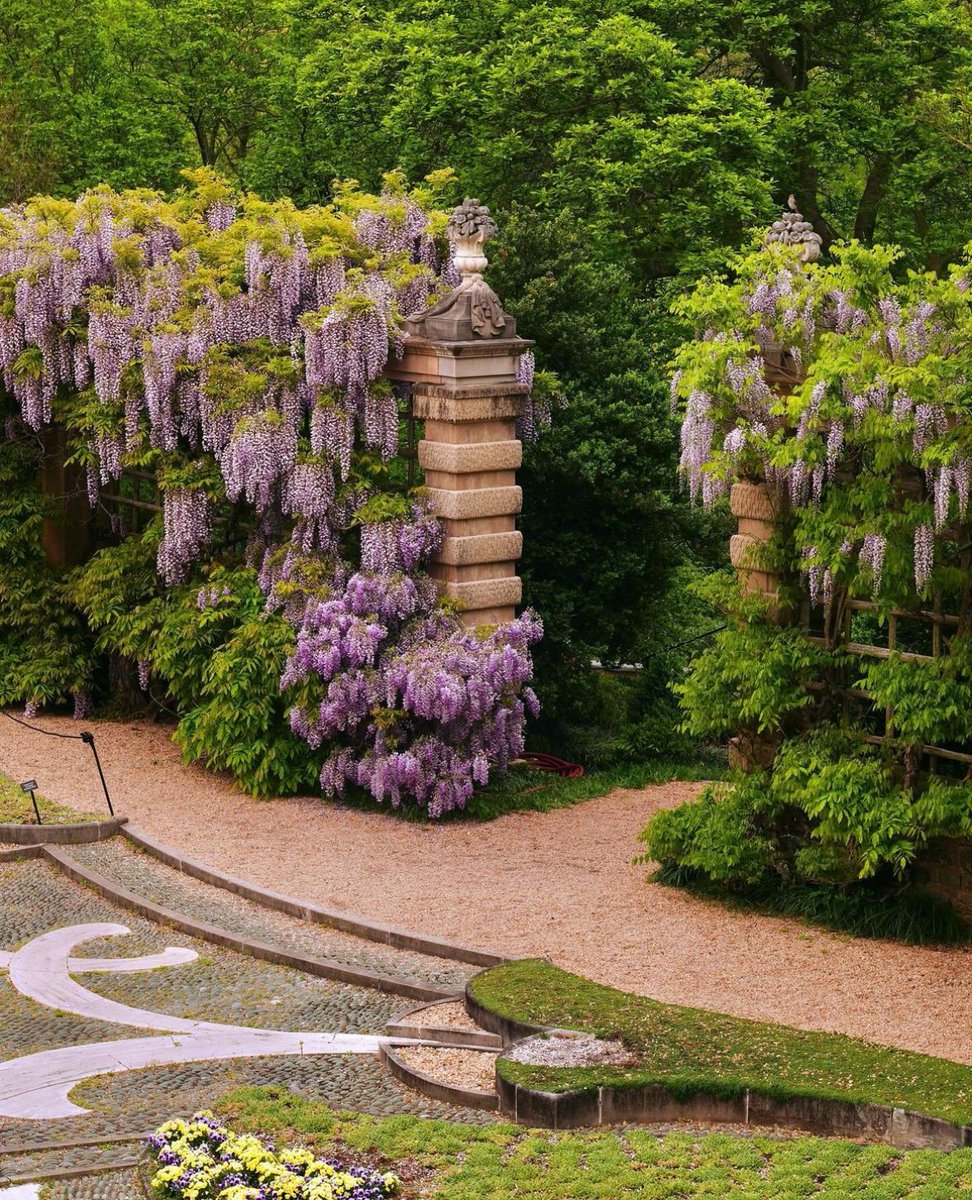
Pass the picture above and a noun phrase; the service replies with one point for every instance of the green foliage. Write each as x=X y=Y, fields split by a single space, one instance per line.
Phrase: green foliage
x=859 y=455
x=752 y=675
x=239 y=724
x=458 y=1162
x=215 y=654
x=715 y=836
x=866 y=911
x=44 y=652
x=691 y=1050
x=833 y=809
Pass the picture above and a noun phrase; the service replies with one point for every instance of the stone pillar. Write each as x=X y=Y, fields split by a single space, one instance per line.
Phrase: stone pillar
x=461 y=359
x=754 y=507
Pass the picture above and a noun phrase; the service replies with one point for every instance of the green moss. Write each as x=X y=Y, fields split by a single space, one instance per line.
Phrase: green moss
x=441 y=1160
x=690 y=1050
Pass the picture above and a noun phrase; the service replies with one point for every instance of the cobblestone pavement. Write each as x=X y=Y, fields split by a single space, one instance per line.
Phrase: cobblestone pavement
x=164 y=885
x=220 y=985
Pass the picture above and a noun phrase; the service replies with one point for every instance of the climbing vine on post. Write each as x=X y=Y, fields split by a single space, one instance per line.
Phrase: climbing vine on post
x=839 y=392
x=236 y=348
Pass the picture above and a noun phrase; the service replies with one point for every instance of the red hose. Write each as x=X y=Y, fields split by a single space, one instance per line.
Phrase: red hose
x=557 y=766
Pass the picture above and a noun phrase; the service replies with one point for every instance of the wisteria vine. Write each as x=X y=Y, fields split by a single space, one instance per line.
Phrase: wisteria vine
x=863 y=438
x=237 y=347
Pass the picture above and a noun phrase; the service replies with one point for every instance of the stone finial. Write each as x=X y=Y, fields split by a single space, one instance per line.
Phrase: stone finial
x=472 y=310
x=792 y=230
x=472 y=220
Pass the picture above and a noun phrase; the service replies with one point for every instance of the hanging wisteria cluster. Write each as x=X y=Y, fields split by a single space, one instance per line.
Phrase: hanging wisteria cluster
x=415 y=705
x=863 y=436
x=237 y=347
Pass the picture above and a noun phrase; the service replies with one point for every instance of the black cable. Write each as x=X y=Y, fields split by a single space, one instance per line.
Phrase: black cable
x=68 y=737
x=697 y=636
x=87 y=737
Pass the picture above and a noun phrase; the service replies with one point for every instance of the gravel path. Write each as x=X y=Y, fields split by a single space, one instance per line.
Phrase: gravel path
x=559 y=884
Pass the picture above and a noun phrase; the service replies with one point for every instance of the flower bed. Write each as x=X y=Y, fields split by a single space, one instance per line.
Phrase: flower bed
x=200 y=1159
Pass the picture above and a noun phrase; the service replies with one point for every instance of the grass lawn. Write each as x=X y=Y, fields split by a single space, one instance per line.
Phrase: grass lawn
x=445 y=1161
x=690 y=1050
x=16 y=808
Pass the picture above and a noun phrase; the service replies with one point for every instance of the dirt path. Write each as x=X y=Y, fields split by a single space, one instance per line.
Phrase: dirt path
x=559 y=884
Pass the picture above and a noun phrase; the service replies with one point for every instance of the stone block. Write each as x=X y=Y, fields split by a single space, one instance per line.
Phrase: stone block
x=471 y=572
x=834 y=1117
x=464 y=432
x=485 y=502
x=653 y=1103
x=913 y=1131
x=470 y=481
x=482 y=548
x=439 y=404
x=487 y=593
x=471 y=458
x=753 y=500
x=745 y=552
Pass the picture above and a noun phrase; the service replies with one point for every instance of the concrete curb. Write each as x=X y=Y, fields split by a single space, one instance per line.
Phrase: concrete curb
x=444 y=1035
x=127 y=1164
x=401 y=939
x=62 y=835
x=654 y=1103
x=322 y=967
x=109 y=1139
x=433 y=1088
x=20 y=853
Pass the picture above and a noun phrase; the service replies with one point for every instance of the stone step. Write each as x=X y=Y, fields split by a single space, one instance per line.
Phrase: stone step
x=162 y=893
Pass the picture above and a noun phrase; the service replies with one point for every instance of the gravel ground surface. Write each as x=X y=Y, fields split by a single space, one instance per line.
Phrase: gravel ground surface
x=579 y=1050
x=443 y=1016
x=559 y=884
x=473 y=1069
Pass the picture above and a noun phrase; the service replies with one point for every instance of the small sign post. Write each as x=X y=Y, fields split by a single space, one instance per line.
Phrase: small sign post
x=30 y=785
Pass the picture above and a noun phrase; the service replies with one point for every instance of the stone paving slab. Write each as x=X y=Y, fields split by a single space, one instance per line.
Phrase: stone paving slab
x=163 y=885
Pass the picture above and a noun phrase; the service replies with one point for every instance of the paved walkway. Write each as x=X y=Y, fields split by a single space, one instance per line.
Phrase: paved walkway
x=90 y=993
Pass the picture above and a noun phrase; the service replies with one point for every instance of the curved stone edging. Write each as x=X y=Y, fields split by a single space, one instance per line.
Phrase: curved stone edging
x=62 y=835
x=425 y=1085
x=374 y=931
x=443 y=1035
x=505 y=1027
x=324 y=968
x=10 y=1181
x=19 y=853
x=654 y=1103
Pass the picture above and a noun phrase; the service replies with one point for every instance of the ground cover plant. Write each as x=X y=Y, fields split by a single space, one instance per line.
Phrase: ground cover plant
x=451 y=1161
x=234 y=348
x=866 y=458
x=691 y=1050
